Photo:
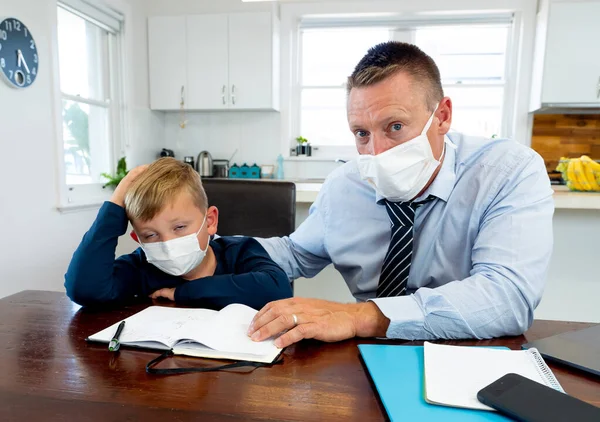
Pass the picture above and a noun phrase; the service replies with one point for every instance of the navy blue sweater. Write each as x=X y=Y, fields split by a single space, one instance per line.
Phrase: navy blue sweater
x=244 y=274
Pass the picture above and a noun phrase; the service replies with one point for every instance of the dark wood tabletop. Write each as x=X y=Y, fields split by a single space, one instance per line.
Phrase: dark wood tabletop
x=50 y=373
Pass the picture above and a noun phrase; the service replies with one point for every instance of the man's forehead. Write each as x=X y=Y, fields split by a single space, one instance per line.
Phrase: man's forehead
x=397 y=91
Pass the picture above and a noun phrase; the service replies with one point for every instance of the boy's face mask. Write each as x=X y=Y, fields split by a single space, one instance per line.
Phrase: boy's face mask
x=176 y=256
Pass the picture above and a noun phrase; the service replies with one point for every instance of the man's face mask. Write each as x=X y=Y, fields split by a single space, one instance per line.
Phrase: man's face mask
x=401 y=172
x=176 y=256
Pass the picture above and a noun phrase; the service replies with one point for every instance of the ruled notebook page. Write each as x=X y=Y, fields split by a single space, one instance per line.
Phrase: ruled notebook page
x=454 y=374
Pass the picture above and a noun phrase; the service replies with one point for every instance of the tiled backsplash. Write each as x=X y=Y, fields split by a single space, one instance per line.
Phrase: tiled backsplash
x=255 y=134
x=566 y=135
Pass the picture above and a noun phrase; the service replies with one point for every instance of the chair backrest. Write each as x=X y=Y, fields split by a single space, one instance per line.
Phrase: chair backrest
x=253 y=208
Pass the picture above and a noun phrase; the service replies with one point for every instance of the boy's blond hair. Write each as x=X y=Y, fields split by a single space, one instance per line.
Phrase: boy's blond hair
x=159 y=185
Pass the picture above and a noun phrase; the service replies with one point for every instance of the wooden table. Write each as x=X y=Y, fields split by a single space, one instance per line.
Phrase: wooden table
x=49 y=373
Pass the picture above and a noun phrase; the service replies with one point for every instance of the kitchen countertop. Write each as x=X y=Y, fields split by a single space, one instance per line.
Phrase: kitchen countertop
x=565 y=199
x=308 y=189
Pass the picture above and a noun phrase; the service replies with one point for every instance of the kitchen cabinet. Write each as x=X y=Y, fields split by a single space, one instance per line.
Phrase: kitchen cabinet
x=207 y=62
x=252 y=68
x=222 y=61
x=167 y=56
x=567 y=54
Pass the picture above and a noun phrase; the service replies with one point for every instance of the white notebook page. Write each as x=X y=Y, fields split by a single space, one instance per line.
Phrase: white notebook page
x=225 y=330
x=155 y=324
x=454 y=374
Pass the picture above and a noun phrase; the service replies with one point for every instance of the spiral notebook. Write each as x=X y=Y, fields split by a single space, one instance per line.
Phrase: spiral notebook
x=454 y=374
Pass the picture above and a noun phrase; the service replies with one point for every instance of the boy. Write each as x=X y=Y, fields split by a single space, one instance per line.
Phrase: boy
x=172 y=222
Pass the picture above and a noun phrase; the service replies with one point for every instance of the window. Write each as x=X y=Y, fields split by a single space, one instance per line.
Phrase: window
x=91 y=100
x=471 y=58
x=328 y=58
x=472 y=62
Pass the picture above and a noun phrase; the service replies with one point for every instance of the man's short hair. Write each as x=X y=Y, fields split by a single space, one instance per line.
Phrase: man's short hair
x=159 y=185
x=389 y=58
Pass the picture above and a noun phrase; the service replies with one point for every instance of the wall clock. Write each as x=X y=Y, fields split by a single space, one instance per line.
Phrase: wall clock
x=19 y=61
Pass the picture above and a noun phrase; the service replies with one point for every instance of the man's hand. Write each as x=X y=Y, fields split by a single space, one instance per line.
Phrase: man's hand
x=118 y=197
x=318 y=319
x=167 y=293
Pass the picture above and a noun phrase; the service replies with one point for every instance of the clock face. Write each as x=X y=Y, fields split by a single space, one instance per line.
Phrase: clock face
x=19 y=61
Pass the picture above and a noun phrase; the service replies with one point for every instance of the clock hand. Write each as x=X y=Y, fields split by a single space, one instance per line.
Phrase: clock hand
x=21 y=58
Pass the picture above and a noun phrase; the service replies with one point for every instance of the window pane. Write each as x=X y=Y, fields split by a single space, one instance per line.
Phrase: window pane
x=471 y=53
x=83 y=57
x=330 y=55
x=86 y=142
x=323 y=118
x=467 y=54
x=476 y=111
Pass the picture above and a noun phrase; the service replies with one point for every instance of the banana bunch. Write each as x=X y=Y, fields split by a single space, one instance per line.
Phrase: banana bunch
x=581 y=174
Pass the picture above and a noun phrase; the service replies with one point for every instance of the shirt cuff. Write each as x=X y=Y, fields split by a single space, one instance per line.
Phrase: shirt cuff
x=407 y=319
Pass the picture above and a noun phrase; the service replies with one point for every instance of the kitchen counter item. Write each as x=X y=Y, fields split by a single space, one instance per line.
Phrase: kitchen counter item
x=205 y=164
x=221 y=168
x=189 y=160
x=254 y=172
x=234 y=172
x=166 y=153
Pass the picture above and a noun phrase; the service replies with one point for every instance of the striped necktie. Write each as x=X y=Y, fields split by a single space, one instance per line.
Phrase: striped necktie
x=396 y=264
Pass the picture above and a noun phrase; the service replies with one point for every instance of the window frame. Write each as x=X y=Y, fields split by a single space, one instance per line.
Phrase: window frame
x=74 y=197
x=403 y=30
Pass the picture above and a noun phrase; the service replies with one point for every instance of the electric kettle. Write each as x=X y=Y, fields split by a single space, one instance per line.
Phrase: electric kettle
x=204 y=164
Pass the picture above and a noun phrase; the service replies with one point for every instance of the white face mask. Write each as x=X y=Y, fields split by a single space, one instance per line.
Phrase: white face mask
x=176 y=256
x=401 y=172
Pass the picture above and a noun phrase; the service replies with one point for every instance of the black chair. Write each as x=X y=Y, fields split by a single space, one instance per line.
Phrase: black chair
x=252 y=207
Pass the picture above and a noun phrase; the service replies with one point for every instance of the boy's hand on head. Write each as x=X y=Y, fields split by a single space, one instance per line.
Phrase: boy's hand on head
x=167 y=293
x=118 y=197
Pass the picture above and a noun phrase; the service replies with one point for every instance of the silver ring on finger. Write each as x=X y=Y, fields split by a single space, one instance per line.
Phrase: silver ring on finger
x=295 y=319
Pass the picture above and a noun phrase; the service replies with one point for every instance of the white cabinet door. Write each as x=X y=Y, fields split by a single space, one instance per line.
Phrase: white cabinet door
x=251 y=62
x=167 y=60
x=207 y=63
x=572 y=62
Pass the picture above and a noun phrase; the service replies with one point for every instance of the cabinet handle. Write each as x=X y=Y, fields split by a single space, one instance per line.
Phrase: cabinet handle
x=598 y=88
x=223 y=94
x=182 y=119
x=233 y=94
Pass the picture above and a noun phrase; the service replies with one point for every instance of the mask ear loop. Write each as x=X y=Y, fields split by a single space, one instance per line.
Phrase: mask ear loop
x=426 y=128
x=443 y=152
x=198 y=232
x=429 y=122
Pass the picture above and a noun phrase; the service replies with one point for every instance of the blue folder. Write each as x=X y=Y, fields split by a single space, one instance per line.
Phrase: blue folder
x=398 y=375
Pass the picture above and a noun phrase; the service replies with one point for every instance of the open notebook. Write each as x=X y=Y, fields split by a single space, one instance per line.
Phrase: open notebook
x=194 y=332
x=454 y=374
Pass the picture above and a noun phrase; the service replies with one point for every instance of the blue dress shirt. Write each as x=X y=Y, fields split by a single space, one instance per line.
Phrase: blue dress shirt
x=481 y=247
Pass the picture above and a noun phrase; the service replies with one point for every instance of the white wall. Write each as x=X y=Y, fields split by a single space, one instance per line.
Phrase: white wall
x=37 y=240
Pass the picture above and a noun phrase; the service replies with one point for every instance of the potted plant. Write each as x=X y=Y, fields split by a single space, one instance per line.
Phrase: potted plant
x=302 y=147
x=113 y=181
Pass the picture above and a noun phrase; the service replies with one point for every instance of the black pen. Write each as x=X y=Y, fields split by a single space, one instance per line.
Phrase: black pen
x=114 y=344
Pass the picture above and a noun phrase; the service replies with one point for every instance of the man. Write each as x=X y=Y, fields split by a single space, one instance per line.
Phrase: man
x=444 y=235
